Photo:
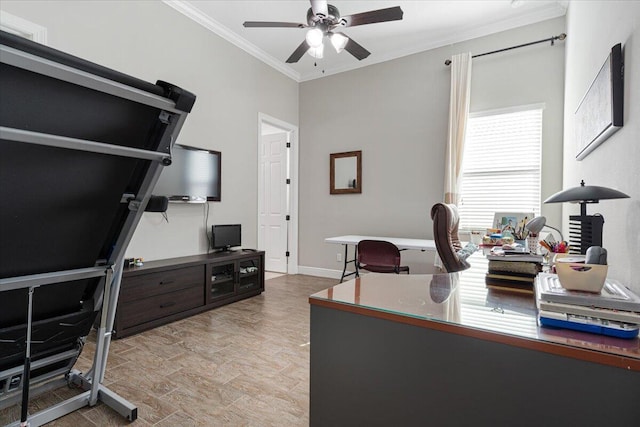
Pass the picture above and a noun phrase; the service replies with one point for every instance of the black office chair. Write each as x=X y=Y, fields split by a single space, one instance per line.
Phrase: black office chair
x=379 y=256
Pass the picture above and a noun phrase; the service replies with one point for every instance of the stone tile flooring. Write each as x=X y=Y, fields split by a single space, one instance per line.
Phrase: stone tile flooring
x=245 y=364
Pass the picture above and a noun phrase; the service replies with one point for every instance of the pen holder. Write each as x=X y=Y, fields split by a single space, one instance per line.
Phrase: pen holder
x=532 y=243
x=581 y=277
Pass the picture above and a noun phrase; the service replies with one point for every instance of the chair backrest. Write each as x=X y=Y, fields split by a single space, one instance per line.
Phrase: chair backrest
x=445 y=233
x=378 y=253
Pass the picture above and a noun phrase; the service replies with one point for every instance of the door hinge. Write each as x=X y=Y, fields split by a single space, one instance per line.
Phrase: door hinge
x=287 y=217
x=286 y=254
x=288 y=181
x=288 y=145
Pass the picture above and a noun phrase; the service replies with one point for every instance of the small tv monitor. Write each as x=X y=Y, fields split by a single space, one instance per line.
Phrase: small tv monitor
x=227 y=236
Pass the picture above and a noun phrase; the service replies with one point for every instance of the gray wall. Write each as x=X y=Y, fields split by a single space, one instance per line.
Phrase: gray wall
x=152 y=41
x=593 y=27
x=397 y=113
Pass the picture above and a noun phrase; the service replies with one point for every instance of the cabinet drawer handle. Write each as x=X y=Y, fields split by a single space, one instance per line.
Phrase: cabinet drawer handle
x=166 y=282
x=168 y=304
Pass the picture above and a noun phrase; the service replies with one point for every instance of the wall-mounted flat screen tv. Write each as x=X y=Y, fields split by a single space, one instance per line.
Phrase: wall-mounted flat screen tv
x=194 y=176
x=224 y=237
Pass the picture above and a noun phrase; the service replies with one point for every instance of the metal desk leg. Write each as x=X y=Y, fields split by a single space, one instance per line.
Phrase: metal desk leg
x=347 y=261
x=344 y=269
x=355 y=260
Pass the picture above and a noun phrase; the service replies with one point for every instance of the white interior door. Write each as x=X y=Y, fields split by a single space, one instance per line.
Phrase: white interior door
x=273 y=201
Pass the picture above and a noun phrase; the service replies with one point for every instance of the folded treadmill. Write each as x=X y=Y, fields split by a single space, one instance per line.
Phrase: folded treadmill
x=81 y=148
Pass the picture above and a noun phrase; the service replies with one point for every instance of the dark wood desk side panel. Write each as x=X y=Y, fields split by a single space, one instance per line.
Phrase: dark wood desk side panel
x=376 y=372
x=610 y=359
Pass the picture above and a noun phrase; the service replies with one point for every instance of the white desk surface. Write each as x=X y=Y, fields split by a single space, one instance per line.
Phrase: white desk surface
x=400 y=242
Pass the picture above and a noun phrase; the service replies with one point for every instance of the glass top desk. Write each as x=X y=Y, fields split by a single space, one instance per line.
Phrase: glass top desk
x=454 y=332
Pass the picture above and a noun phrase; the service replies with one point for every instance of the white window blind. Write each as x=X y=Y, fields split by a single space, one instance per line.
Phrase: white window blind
x=501 y=165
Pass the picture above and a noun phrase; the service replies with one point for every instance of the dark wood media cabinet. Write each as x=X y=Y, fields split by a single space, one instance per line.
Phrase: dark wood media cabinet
x=163 y=291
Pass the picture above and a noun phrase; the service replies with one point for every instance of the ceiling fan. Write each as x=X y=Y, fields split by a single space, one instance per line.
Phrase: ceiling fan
x=322 y=20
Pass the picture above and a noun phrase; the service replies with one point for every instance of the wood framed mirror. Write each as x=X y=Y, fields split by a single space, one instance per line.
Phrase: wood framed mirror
x=345 y=173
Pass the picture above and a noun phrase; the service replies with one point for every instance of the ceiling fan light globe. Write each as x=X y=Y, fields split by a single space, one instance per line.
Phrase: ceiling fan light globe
x=314 y=37
x=316 y=52
x=339 y=41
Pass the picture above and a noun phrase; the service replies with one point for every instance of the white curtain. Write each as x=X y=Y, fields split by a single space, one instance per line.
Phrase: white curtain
x=458 y=115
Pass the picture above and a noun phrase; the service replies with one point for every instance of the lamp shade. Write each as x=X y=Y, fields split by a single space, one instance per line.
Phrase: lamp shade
x=586 y=194
x=586 y=231
x=535 y=225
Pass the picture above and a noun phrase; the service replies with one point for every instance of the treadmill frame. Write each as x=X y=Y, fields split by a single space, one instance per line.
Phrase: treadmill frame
x=110 y=270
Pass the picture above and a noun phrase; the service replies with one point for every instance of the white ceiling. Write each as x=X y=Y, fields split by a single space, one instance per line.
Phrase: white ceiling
x=427 y=24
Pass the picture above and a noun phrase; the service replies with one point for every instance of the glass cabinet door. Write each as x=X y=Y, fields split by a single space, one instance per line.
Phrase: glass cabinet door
x=222 y=280
x=249 y=275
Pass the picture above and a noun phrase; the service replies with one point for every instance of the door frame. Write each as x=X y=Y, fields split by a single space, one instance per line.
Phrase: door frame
x=292 y=238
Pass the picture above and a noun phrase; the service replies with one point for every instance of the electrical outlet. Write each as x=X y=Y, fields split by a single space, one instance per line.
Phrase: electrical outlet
x=339 y=257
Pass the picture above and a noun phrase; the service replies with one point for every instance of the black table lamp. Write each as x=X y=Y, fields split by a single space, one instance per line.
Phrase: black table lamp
x=585 y=230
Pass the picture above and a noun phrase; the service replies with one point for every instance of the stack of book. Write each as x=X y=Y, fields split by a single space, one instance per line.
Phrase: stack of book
x=615 y=311
x=513 y=272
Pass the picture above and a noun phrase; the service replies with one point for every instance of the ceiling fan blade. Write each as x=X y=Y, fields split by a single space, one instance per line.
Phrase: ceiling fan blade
x=355 y=49
x=319 y=7
x=297 y=54
x=261 y=24
x=373 y=16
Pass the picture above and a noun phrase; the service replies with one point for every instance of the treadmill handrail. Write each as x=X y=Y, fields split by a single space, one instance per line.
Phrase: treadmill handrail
x=39 y=138
x=43 y=279
x=78 y=77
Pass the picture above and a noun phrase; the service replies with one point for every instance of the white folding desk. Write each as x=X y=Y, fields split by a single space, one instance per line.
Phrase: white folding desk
x=401 y=242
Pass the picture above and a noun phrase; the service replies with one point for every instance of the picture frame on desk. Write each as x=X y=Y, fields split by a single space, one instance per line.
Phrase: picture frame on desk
x=512 y=222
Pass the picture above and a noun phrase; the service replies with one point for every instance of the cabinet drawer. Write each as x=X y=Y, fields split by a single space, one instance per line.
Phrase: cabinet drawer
x=147 y=285
x=145 y=310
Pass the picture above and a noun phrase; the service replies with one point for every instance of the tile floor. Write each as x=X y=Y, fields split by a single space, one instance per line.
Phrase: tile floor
x=245 y=364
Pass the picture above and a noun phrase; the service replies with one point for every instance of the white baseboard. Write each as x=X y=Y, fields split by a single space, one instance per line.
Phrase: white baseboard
x=320 y=272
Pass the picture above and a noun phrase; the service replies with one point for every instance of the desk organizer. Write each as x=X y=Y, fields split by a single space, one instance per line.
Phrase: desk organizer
x=579 y=276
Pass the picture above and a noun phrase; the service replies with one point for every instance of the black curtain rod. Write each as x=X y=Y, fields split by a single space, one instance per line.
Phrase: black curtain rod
x=550 y=39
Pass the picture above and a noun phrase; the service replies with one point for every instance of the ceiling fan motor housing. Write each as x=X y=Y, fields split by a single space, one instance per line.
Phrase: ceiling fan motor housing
x=332 y=18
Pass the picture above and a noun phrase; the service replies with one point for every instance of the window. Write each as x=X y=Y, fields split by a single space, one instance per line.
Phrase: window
x=501 y=165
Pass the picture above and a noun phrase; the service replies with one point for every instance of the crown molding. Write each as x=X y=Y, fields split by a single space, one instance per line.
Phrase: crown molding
x=190 y=11
x=22 y=27
x=211 y=24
